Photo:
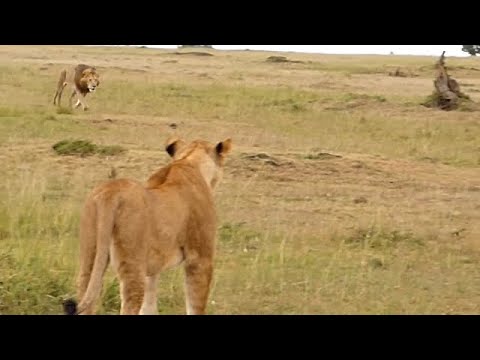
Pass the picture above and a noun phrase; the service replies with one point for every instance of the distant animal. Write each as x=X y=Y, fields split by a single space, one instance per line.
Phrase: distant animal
x=84 y=80
x=144 y=229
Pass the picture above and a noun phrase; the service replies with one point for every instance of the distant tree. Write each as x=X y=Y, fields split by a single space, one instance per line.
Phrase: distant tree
x=471 y=49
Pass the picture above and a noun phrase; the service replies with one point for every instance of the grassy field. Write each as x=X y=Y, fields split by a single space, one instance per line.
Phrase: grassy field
x=343 y=195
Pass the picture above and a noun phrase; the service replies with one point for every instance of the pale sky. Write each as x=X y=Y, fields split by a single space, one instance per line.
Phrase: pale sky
x=435 y=50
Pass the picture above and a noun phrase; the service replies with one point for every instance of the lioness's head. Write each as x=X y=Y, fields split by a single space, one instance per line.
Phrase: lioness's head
x=209 y=157
x=90 y=79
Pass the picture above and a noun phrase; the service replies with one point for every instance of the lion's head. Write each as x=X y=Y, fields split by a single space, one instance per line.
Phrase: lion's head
x=90 y=79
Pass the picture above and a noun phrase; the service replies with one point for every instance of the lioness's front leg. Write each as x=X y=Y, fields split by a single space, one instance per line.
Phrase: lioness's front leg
x=198 y=277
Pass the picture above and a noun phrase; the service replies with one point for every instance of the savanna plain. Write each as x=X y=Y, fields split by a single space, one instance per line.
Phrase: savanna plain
x=343 y=193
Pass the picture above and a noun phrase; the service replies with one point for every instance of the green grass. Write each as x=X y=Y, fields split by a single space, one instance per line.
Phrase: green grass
x=64 y=110
x=85 y=148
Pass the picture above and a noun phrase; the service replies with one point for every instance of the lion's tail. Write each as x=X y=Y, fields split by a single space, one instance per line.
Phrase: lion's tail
x=105 y=221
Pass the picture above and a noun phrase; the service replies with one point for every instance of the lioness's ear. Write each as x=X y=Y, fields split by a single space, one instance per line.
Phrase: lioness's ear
x=224 y=147
x=172 y=145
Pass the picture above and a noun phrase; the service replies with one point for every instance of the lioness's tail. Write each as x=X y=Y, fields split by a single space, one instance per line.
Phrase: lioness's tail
x=102 y=227
x=60 y=86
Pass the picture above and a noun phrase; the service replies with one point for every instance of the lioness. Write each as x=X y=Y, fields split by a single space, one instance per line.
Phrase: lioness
x=144 y=229
x=84 y=79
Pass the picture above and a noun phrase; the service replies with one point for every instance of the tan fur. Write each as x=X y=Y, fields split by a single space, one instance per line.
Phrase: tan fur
x=144 y=229
x=84 y=79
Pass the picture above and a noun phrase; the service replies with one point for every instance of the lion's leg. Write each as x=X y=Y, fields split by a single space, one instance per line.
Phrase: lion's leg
x=132 y=288
x=55 y=98
x=198 y=277
x=74 y=92
x=81 y=100
x=59 y=97
x=60 y=86
x=59 y=93
x=149 y=306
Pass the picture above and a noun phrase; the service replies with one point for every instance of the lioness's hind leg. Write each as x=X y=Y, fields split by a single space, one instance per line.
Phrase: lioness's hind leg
x=198 y=276
x=132 y=288
x=149 y=306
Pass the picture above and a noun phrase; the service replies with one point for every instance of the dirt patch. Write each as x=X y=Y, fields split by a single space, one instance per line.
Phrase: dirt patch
x=360 y=200
x=401 y=73
x=193 y=53
x=354 y=100
x=282 y=59
x=107 y=120
x=463 y=68
x=322 y=156
x=267 y=159
x=123 y=69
